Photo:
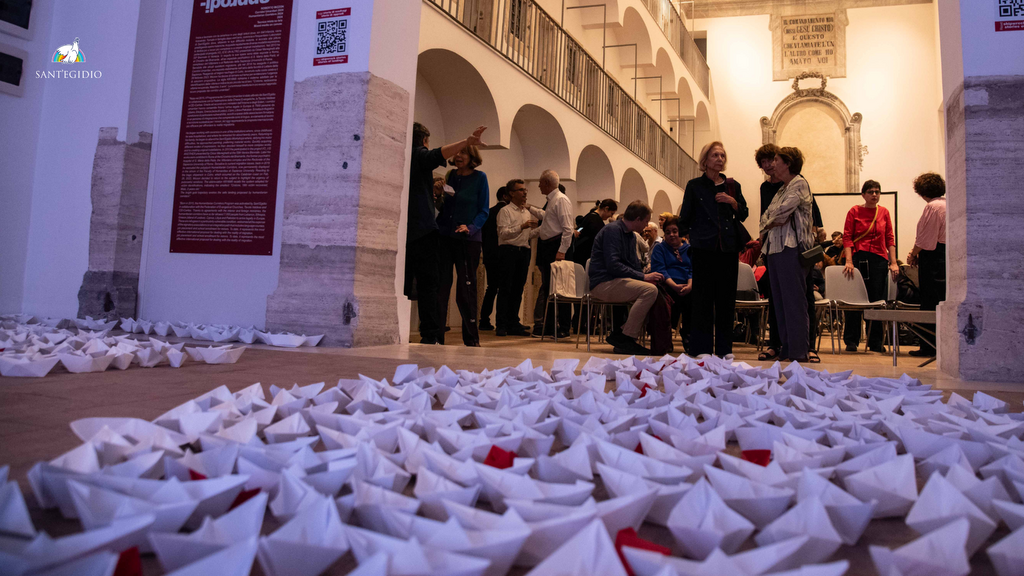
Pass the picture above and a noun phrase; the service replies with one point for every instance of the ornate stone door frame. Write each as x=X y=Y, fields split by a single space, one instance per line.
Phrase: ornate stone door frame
x=851 y=124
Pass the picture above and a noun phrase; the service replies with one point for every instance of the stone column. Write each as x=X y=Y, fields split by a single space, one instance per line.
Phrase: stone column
x=981 y=323
x=343 y=199
x=120 y=176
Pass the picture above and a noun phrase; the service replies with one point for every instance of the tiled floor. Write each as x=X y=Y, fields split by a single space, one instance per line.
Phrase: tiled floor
x=35 y=413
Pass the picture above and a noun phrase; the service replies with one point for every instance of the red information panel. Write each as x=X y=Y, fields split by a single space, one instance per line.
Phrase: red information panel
x=225 y=190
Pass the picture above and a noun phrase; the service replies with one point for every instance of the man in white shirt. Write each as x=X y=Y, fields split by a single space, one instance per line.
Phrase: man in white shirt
x=517 y=225
x=556 y=232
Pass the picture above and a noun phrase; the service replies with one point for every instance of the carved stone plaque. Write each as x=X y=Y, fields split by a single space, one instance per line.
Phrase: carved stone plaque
x=803 y=43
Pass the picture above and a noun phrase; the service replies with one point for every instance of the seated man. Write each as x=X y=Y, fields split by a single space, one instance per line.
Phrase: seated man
x=616 y=274
x=671 y=259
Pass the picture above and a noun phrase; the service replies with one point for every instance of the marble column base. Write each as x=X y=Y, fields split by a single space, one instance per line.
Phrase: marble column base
x=108 y=294
x=331 y=290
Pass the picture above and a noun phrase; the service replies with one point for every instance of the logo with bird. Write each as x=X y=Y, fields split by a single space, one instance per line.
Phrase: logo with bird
x=69 y=53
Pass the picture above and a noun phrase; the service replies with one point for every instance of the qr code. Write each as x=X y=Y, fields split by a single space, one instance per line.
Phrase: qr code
x=1011 y=8
x=330 y=36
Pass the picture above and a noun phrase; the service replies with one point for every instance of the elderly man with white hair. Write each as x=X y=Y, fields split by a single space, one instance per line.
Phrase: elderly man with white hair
x=556 y=232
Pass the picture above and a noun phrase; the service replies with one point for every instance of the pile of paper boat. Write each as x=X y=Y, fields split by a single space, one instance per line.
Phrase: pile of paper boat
x=473 y=473
x=219 y=333
x=33 y=350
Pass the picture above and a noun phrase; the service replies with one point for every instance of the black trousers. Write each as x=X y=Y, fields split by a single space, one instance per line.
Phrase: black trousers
x=714 y=300
x=421 y=257
x=812 y=316
x=546 y=252
x=789 y=294
x=493 y=284
x=774 y=341
x=514 y=263
x=932 y=279
x=877 y=283
x=682 y=309
x=465 y=256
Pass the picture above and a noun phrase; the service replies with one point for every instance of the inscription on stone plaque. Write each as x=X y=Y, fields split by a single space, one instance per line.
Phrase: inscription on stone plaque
x=809 y=43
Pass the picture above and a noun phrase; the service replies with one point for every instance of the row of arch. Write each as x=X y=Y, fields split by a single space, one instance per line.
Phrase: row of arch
x=654 y=57
x=453 y=97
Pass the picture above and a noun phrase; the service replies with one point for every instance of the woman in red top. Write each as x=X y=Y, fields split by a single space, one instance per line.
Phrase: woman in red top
x=869 y=244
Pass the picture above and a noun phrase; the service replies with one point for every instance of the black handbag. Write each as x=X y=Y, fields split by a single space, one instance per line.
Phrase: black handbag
x=811 y=256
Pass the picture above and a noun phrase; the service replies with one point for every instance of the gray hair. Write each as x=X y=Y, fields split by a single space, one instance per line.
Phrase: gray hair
x=551 y=177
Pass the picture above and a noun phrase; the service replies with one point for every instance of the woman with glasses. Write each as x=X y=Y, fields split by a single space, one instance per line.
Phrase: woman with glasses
x=870 y=246
x=671 y=258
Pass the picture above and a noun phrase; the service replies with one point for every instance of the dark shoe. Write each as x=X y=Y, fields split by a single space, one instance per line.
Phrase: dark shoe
x=768 y=355
x=851 y=347
x=616 y=338
x=501 y=332
x=922 y=353
x=428 y=341
x=879 y=349
x=563 y=334
x=519 y=331
x=630 y=347
x=485 y=326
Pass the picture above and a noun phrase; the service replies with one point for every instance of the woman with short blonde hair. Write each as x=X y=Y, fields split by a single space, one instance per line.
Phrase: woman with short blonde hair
x=712 y=215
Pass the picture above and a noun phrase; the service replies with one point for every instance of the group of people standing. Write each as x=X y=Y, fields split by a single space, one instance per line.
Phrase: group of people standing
x=450 y=225
x=695 y=280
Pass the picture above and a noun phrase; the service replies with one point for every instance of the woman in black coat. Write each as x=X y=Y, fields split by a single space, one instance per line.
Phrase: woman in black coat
x=712 y=214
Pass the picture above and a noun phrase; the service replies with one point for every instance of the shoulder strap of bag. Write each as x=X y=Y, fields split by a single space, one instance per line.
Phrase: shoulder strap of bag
x=870 y=227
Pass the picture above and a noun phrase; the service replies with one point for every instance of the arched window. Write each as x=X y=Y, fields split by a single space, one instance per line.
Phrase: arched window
x=820 y=124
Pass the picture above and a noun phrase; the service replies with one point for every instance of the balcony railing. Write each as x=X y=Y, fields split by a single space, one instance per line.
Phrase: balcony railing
x=527 y=36
x=681 y=40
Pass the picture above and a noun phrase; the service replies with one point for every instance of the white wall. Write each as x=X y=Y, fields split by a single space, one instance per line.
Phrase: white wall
x=71 y=115
x=891 y=78
x=19 y=125
x=208 y=288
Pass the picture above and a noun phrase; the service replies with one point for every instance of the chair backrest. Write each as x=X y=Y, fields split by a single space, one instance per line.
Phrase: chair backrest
x=849 y=290
x=582 y=280
x=565 y=279
x=745 y=278
x=893 y=292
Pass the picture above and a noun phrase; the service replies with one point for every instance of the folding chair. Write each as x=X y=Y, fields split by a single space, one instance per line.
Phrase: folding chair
x=848 y=293
x=745 y=282
x=581 y=284
x=603 y=306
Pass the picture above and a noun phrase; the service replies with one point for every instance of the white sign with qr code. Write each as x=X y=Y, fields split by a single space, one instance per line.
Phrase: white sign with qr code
x=333 y=36
x=1009 y=15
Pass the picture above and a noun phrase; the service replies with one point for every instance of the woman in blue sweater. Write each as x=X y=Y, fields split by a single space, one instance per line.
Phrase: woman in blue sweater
x=460 y=222
x=671 y=258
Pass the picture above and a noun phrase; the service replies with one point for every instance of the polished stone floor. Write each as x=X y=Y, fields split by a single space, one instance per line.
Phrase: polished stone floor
x=35 y=413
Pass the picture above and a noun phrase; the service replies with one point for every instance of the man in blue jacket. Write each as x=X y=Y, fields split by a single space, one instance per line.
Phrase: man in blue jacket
x=616 y=275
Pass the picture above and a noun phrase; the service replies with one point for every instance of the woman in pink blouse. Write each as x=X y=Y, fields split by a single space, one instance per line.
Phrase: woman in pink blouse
x=929 y=253
x=869 y=245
